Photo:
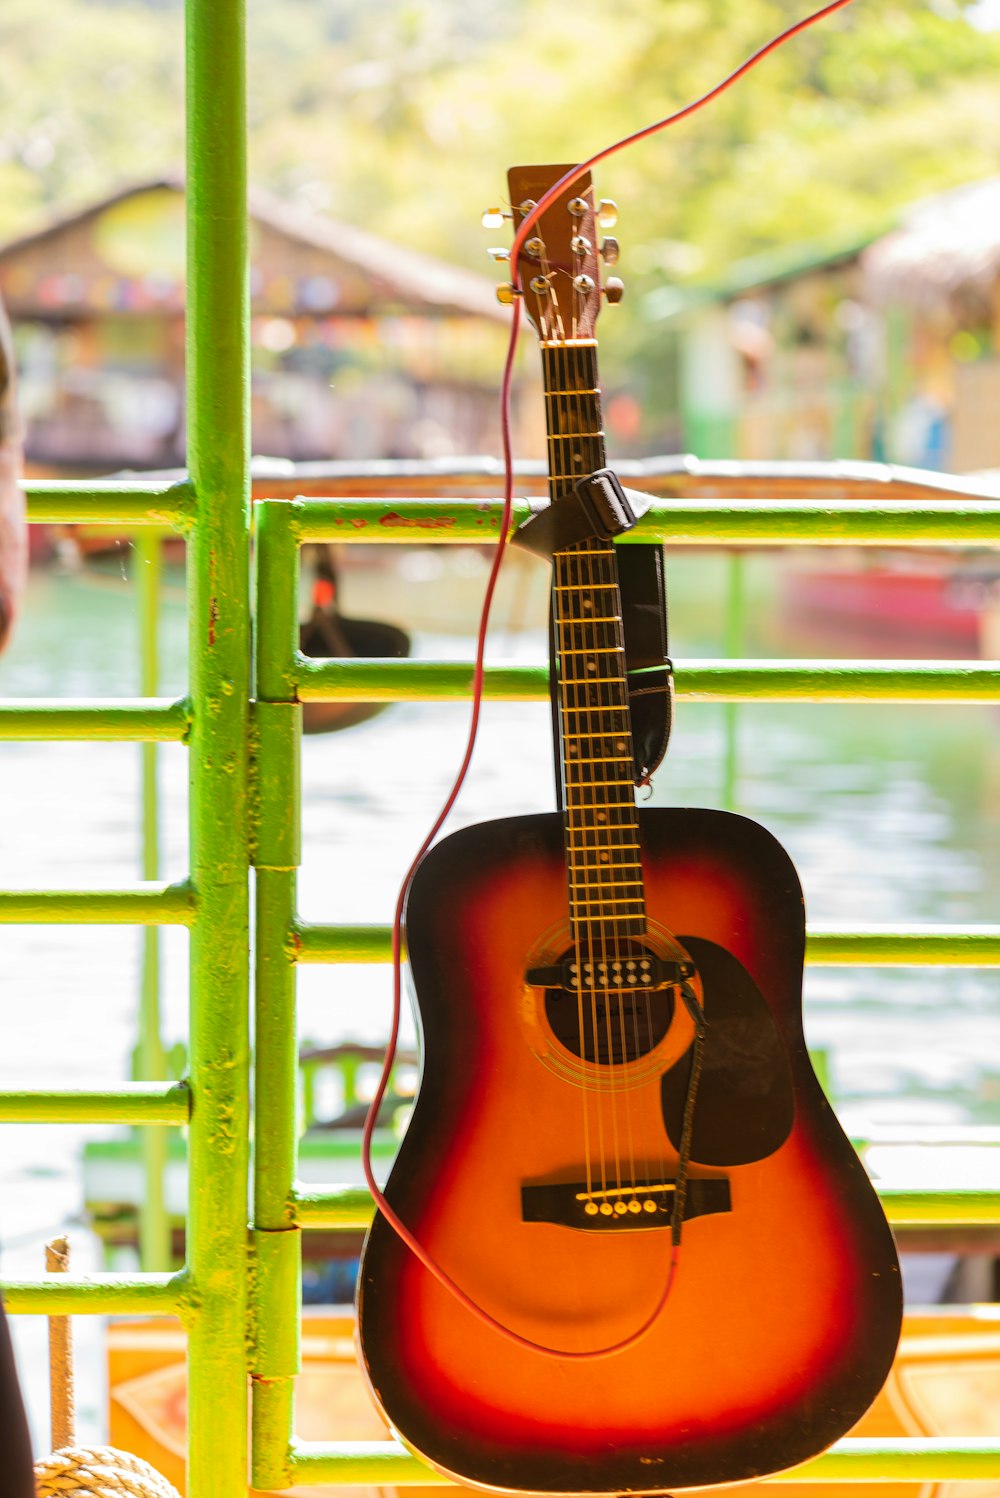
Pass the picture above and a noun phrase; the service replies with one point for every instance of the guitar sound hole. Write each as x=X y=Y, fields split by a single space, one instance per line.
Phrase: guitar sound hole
x=613 y=1017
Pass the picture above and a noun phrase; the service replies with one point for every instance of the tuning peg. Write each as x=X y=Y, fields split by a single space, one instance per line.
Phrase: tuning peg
x=499 y=253
x=614 y=290
x=609 y=250
x=607 y=213
x=493 y=218
x=506 y=292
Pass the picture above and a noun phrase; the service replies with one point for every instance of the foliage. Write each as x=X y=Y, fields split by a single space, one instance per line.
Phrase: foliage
x=402 y=115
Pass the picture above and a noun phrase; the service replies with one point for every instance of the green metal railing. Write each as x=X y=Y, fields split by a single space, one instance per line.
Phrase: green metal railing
x=238 y=1294
x=285 y=678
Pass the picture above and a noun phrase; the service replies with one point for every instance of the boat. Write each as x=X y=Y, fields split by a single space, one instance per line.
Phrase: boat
x=328 y=633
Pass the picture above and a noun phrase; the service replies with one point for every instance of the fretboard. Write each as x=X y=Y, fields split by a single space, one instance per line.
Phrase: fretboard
x=603 y=856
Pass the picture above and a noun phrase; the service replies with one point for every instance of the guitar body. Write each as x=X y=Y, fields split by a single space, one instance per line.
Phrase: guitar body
x=784 y=1313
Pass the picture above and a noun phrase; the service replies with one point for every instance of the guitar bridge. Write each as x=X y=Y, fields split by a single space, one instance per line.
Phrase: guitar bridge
x=621 y=1208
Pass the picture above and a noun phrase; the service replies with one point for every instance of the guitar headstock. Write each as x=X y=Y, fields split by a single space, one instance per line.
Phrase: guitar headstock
x=559 y=263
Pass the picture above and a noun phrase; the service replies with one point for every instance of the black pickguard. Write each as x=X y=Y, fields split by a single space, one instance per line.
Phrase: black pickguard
x=744 y=1106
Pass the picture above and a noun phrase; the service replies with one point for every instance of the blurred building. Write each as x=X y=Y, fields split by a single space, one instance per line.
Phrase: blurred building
x=360 y=348
x=882 y=347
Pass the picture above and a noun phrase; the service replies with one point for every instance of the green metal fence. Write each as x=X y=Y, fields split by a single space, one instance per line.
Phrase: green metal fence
x=238 y=1294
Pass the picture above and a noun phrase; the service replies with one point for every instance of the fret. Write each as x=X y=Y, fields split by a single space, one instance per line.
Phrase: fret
x=592 y=650
x=615 y=759
x=603 y=806
x=600 y=784
x=601 y=884
x=550 y=393
x=613 y=899
x=606 y=707
x=601 y=847
x=614 y=920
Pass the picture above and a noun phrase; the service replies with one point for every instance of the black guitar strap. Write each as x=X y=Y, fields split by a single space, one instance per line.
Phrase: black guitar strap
x=599 y=506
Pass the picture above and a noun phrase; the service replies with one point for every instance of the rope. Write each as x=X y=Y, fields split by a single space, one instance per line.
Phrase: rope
x=99 y=1472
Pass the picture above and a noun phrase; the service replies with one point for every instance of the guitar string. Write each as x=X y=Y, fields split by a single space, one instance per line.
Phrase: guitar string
x=603 y=670
x=592 y=573
x=556 y=386
x=561 y=417
x=620 y=743
x=583 y=911
x=576 y=819
x=582 y=926
x=623 y=744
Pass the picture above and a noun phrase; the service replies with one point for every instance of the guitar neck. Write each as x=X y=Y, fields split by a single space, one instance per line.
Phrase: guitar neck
x=603 y=856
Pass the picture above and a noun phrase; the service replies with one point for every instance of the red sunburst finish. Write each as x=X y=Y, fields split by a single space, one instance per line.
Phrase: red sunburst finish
x=785 y=1312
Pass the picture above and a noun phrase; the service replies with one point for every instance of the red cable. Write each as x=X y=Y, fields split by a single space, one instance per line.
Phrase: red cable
x=395 y=1222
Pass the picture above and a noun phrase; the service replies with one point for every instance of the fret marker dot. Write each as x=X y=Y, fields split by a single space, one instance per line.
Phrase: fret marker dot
x=602 y=816
x=591 y=665
x=621 y=746
x=587 y=603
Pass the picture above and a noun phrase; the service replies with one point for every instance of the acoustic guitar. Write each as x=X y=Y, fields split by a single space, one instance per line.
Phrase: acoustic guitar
x=613 y=1061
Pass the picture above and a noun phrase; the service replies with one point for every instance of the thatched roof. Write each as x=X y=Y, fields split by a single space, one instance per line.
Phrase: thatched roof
x=945 y=245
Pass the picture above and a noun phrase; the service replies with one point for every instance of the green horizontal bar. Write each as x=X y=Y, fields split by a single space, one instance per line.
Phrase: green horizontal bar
x=427 y=681
x=838 y=681
x=696 y=680
x=889 y=946
x=350 y=1207
x=887 y=1458
x=946 y=1208
x=688 y=522
x=923 y=1459
x=313 y=943
x=360 y=1464
x=146 y=719
x=135 y=1103
x=80 y=502
x=395 y=520
x=346 y=1207
x=97 y=1295
x=886 y=946
x=140 y=905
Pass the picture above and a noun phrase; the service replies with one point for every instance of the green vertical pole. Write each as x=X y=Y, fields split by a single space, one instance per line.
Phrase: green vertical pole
x=277 y=1239
x=218 y=611
x=154 y=1227
x=734 y=631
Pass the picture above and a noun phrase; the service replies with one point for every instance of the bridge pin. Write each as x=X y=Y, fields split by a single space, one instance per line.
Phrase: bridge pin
x=607 y=1210
x=591 y=1209
x=635 y=1206
x=649 y=1205
x=621 y=1208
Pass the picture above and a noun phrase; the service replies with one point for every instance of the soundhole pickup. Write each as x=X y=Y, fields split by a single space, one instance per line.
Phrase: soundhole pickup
x=621 y=1209
x=628 y=973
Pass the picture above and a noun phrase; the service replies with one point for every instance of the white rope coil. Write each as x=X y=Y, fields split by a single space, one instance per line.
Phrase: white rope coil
x=99 y=1472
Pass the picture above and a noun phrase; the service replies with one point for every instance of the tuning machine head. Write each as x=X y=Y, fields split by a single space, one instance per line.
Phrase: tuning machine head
x=614 y=290
x=607 y=213
x=493 y=218
x=610 y=250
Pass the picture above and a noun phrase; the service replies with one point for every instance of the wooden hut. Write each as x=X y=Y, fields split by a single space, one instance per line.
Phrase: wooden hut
x=360 y=348
x=936 y=281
